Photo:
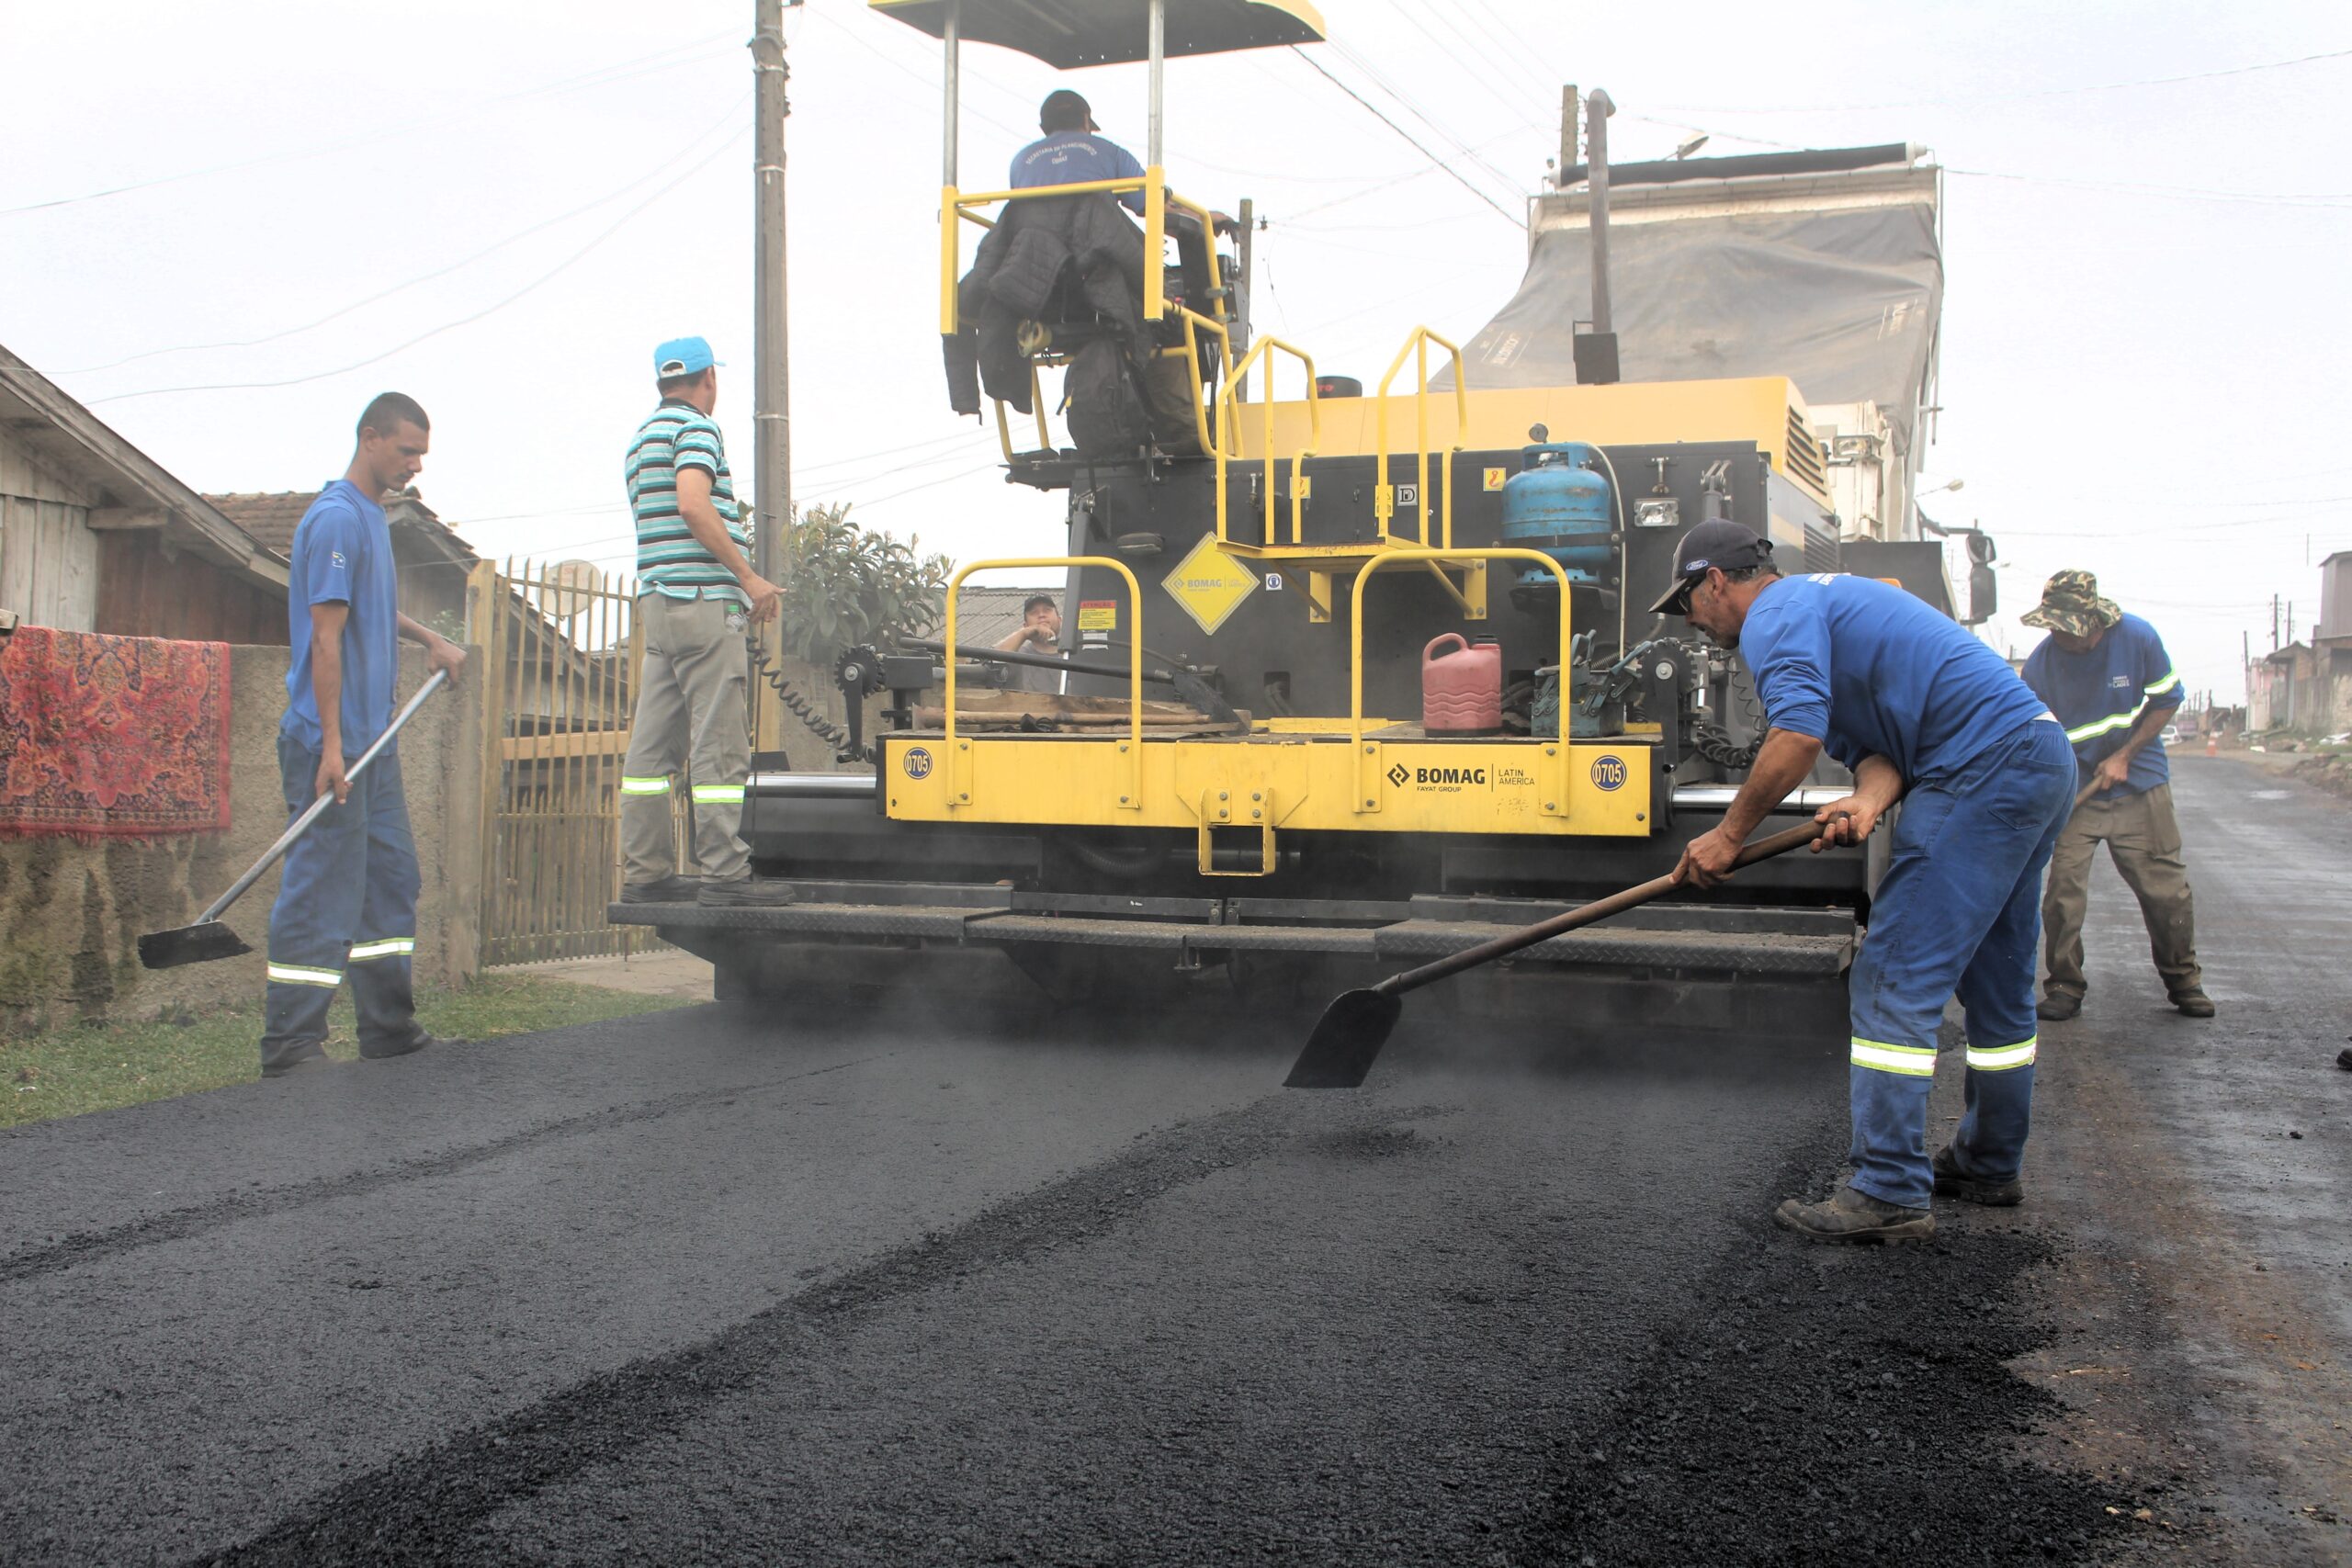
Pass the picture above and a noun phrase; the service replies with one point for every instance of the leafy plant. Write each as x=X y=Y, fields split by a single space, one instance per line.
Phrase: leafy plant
x=845 y=584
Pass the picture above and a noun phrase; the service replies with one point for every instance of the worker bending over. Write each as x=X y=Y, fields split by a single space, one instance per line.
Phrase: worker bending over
x=2110 y=681
x=1925 y=714
x=698 y=597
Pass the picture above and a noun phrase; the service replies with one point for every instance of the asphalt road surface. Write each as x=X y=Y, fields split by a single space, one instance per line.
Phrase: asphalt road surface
x=687 y=1289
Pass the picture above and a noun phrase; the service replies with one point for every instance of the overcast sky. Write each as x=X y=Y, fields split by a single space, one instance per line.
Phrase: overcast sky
x=499 y=208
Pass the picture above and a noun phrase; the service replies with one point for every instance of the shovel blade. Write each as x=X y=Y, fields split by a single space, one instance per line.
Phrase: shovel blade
x=1346 y=1037
x=199 y=943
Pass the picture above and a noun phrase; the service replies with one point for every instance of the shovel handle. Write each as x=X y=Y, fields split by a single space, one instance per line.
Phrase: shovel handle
x=286 y=840
x=1599 y=910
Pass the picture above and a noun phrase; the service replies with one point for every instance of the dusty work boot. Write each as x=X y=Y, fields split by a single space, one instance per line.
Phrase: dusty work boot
x=2193 y=1003
x=1954 y=1182
x=297 y=1066
x=2058 y=1006
x=1849 y=1215
x=746 y=892
x=421 y=1040
x=669 y=890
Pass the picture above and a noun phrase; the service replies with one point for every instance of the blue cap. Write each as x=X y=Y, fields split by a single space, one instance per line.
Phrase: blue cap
x=683 y=356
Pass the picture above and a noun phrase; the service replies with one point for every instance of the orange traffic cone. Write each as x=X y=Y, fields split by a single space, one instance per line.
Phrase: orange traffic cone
x=2213 y=743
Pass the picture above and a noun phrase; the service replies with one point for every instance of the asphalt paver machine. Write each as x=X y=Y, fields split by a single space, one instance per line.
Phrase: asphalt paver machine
x=1232 y=792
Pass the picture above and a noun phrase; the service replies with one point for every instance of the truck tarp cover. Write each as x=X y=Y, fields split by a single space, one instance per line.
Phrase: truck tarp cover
x=1843 y=303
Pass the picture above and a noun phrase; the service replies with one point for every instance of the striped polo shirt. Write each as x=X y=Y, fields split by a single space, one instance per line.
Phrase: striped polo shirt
x=670 y=559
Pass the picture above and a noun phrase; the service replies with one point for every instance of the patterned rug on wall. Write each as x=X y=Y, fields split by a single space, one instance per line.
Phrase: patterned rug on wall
x=112 y=737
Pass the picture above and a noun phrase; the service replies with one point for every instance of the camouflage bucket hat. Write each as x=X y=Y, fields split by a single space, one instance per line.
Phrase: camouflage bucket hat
x=2070 y=604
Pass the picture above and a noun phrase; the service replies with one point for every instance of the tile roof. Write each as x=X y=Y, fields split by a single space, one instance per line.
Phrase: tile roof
x=271 y=517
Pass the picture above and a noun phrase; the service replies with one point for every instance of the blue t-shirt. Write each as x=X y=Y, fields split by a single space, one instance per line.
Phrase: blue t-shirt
x=1867 y=669
x=1077 y=157
x=2100 y=694
x=343 y=553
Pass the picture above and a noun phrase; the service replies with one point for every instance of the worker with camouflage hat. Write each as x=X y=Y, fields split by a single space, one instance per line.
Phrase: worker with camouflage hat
x=2107 y=678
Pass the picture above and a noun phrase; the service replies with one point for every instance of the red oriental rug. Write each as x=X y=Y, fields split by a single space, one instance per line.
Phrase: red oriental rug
x=107 y=737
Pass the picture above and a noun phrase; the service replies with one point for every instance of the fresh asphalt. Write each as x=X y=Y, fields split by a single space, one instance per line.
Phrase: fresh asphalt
x=692 y=1288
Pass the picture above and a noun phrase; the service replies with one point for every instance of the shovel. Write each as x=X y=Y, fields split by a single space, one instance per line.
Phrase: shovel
x=208 y=939
x=1356 y=1025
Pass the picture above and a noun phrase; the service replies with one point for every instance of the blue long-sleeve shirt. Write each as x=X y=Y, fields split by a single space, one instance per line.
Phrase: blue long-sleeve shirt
x=1867 y=669
x=1074 y=158
x=2100 y=694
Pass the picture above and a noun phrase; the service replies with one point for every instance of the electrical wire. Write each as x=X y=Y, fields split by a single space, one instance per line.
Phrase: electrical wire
x=446 y=326
x=601 y=76
x=1435 y=158
x=1484 y=76
x=1406 y=101
x=609 y=197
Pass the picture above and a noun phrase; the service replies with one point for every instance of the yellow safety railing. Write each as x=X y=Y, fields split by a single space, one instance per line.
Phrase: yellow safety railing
x=1366 y=753
x=1228 y=427
x=959 y=753
x=956 y=208
x=1384 y=494
x=1194 y=323
x=1036 y=406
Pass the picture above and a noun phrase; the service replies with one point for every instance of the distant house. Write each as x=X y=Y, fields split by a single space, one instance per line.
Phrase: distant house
x=97 y=536
x=432 y=560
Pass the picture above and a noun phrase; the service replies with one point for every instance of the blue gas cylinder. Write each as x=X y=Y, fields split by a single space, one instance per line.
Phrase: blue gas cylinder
x=1559 y=504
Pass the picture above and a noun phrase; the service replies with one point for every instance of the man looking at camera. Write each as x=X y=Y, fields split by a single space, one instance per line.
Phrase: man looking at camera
x=1925 y=714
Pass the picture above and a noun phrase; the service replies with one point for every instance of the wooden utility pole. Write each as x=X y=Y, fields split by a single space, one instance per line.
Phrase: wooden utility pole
x=770 y=391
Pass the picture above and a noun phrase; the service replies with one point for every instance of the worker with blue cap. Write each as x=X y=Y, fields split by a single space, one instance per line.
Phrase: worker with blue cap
x=1926 y=714
x=697 y=600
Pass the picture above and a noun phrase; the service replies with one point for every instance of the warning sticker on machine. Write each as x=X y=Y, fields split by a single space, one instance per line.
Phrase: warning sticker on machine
x=1208 y=584
x=1097 y=615
x=1495 y=478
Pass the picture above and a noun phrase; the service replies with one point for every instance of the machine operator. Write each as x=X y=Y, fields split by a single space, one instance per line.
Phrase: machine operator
x=1926 y=714
x=1073 y=150
x=698 y=597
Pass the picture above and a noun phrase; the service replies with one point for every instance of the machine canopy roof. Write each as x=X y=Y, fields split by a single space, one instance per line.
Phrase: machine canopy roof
x=1067 y=34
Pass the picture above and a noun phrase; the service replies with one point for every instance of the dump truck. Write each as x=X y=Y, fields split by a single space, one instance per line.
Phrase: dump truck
x=1234 y=795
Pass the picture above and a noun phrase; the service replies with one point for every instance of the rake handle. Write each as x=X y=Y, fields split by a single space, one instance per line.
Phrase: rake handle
x=1599 y=910
x=286 y=840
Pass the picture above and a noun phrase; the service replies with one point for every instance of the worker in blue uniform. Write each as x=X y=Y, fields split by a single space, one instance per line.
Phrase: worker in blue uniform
x=2107 y=678
x=1926 y=714
x=1073 y=152
x=346 y=900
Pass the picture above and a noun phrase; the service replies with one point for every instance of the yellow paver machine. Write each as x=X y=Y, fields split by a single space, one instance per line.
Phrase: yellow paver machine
x=1230 y=785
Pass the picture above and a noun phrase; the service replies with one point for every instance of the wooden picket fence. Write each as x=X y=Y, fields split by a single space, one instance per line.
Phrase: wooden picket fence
x=557 y=646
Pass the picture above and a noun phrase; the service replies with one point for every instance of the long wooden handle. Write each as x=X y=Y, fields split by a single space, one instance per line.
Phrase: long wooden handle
x=1599 y=910
x=311 y=814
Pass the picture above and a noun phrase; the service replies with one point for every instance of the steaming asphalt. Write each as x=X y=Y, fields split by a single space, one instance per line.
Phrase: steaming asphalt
x=681 y=1289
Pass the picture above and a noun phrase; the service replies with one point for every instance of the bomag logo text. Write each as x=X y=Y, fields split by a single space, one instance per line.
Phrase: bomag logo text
x=1449 y=775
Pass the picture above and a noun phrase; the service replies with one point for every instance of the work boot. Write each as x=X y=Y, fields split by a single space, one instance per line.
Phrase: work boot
x=2344 y=1058
x=1954 y=1182
x=380 y=1052
x=2058 y=1006
x=298 y=1065
x=2193 y=1003
x=1849 y=1215
x=746 y=892
x=669 y=890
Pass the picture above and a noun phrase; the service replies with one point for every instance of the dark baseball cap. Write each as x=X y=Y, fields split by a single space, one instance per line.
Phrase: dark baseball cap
x=1719 y=545
x=1064 y=111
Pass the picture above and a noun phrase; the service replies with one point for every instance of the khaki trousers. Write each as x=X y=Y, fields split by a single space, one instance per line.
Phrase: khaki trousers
x=691 y=716
x=2143 y=839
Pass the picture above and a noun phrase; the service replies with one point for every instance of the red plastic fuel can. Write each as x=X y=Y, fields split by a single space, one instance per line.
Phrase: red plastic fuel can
x=1462 y=691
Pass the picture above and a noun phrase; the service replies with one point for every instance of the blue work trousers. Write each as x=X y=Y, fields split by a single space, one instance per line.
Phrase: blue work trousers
x=346 y=907
x=1959 y=909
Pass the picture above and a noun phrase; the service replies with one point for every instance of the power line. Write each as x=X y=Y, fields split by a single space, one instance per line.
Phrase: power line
x=1484 y=76
x=602 y=76
x=1411 y=106
x=609 y=197
x=446 y=326
x=1437 y=159
x=1977 y=99
x=2338 y=200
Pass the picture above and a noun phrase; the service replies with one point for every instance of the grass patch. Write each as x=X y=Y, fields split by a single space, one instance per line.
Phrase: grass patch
x=97 y=1066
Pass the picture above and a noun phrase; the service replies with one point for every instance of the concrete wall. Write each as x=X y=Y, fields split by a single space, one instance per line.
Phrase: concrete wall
x=71 y=914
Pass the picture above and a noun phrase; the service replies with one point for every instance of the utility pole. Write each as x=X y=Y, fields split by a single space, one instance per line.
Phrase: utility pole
x=770 y=388
x=1568 y=136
